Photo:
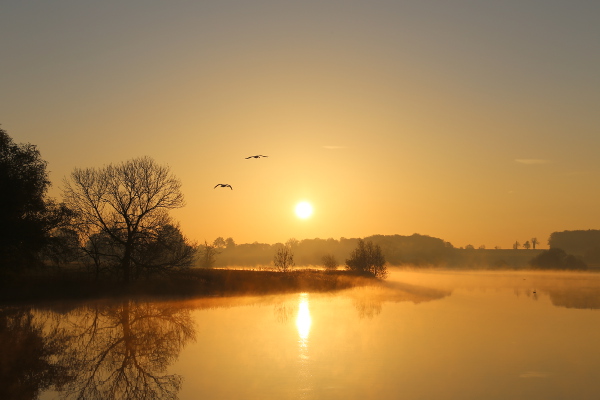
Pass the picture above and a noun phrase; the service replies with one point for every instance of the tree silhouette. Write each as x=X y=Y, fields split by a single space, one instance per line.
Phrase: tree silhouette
x=526 y=245
x=27 y=217
x=556 y=258
x=584 y=243
x=284 y=258
x=165 y=250
x=209 y=254
x=534 y=242
x=126 y=203
x=367 y=258
x=329 y=261
x=516 y=245
x=62 y=246
x=219 y=242
x=229 y=243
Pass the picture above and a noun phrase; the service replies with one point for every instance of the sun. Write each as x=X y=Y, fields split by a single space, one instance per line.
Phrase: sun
x=304 y=210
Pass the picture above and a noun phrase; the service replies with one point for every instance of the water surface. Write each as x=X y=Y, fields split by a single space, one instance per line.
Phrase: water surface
x=422 y=335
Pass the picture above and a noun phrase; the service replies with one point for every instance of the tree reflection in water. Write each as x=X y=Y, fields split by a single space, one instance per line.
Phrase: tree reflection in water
x=123 y=352
x=283 y=312
x=29 y=348
x=367 y=307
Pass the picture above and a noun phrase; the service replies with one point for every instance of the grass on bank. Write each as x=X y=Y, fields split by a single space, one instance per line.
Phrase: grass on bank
x=195 y=282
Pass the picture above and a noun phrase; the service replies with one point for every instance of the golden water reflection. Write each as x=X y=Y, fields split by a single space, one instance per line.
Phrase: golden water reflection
x=303 y=320
x=368 y=342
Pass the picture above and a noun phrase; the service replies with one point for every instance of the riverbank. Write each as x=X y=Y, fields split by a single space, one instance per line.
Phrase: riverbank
x=196 y=282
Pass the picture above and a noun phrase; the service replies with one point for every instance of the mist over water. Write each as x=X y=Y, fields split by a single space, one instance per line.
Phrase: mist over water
x=421 y=334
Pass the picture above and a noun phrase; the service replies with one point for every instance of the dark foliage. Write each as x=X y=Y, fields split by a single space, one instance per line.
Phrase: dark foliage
x=27 y=217
x=557 y=259
x=367 y=258
x=584 y=243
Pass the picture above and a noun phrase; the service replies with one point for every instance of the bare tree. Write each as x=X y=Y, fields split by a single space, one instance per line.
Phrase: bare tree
x=284 y=258
x=516 y=245
x=127 y=202
x=534 y=242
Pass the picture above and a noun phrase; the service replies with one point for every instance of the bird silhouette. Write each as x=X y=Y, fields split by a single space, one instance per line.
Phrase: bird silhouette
x=223 y=185
x=257 y=156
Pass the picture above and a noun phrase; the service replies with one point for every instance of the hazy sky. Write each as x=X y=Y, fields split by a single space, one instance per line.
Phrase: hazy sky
x=474 y=121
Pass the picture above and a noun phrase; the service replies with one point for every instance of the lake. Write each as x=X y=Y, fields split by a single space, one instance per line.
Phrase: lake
x=423 y=334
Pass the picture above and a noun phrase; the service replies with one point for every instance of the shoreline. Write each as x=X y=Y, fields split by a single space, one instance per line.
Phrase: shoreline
x=196 y=282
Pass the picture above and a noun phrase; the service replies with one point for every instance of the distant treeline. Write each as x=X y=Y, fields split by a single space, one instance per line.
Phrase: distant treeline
x=416 y=250
x=582 y=243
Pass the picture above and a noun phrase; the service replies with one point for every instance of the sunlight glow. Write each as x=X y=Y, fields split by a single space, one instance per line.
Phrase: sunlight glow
x=303 y=321
x=304 y=210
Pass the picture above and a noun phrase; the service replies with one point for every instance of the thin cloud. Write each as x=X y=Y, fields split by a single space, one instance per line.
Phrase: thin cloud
x=575 y=173
x=534 y=374
x=531 y=161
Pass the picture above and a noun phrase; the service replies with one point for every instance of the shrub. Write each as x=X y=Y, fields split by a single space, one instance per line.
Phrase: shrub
x=329 y=262
x=284 y=259
x=367 y=258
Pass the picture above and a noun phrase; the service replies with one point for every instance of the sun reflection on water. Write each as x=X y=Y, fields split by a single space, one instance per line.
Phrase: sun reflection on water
x=303 y=321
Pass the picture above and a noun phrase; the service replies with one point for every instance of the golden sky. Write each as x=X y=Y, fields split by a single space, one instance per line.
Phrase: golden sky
x=474 y=121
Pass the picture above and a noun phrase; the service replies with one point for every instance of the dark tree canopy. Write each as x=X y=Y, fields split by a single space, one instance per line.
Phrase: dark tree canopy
x=26 y=216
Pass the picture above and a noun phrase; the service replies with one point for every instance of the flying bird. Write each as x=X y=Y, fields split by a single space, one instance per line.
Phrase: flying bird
x=257 y=156
x=223 y=185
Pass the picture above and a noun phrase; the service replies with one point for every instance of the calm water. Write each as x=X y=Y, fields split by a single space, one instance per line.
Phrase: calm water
x=424 y=335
